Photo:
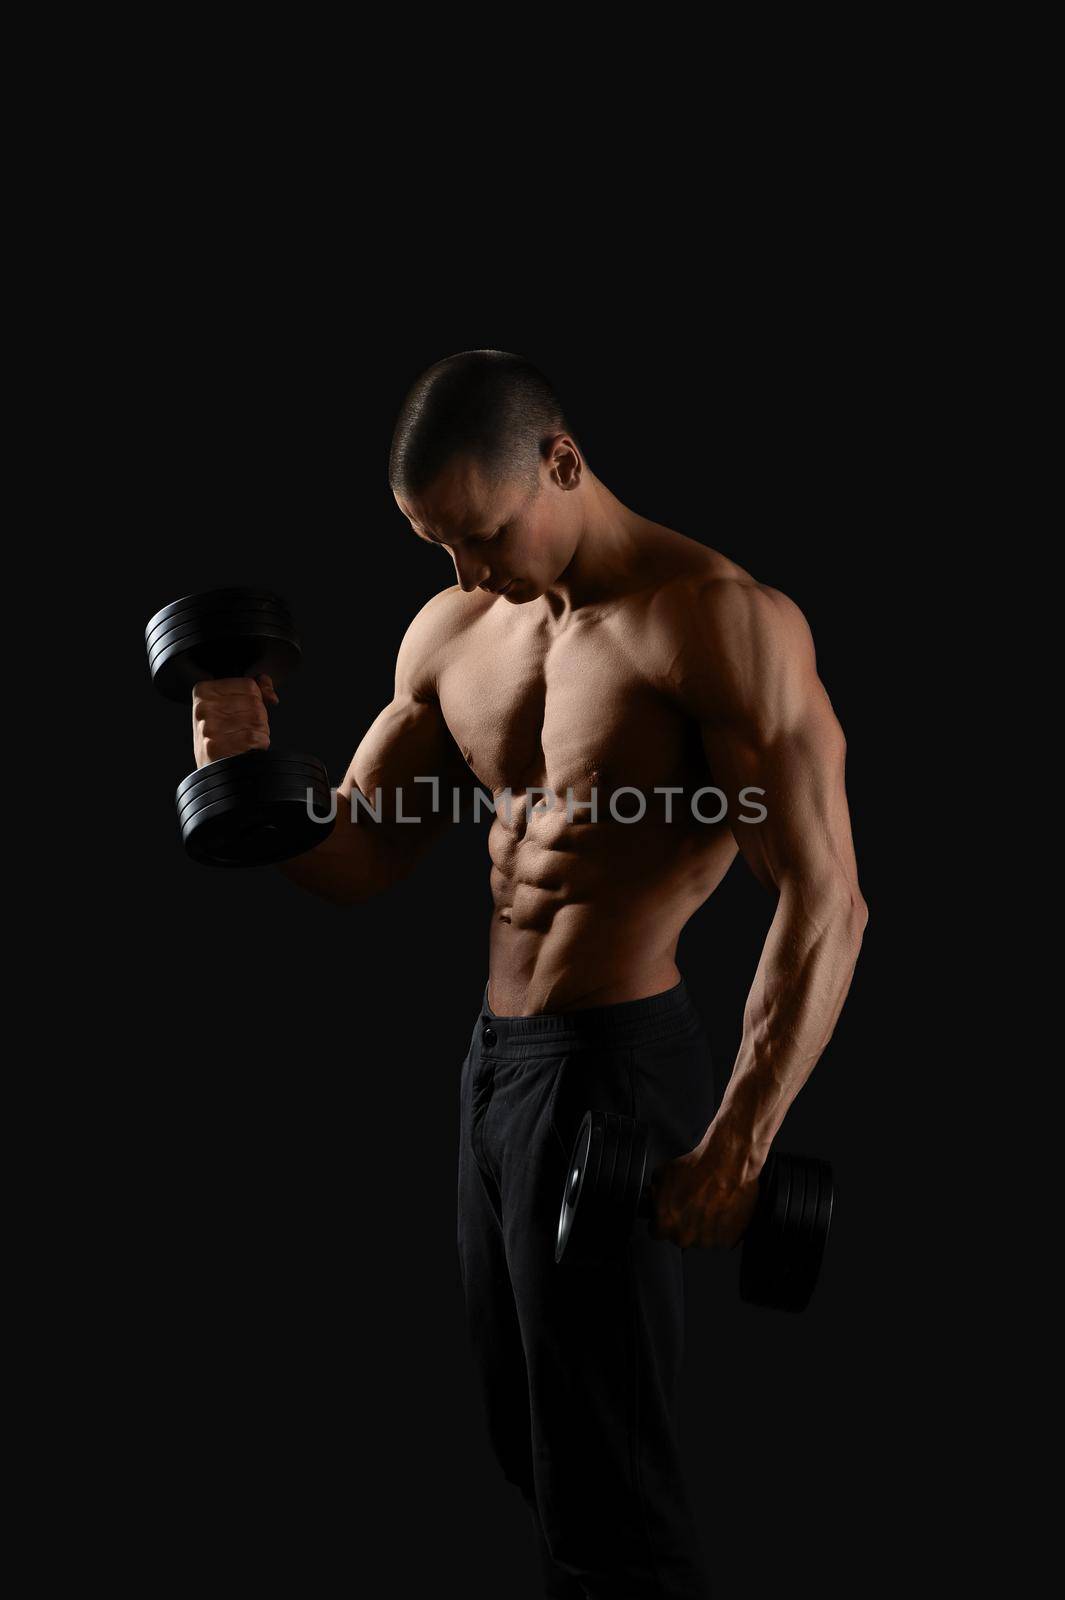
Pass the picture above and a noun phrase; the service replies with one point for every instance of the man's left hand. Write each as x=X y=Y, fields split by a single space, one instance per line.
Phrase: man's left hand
x=700 y=1200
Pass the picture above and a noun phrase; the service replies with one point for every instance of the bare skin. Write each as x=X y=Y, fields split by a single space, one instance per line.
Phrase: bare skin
x=621 y=654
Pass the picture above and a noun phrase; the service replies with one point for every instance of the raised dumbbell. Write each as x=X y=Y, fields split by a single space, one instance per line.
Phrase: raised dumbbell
x=605 y=1190
x=264 y=805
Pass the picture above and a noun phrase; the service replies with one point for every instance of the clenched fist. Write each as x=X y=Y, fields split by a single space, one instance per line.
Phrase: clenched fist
x=700 y=1200
x=229 y=716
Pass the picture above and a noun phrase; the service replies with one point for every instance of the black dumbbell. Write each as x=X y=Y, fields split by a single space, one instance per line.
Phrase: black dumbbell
x=264 y=805
x=785 y=1240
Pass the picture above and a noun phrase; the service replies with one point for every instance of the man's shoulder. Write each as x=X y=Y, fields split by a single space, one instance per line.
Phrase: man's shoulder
x=715 y=618
x=710 y=596
x=433 y=632
x=683 y=576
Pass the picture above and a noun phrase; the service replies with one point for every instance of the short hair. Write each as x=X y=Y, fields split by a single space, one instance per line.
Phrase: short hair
x=490 y=404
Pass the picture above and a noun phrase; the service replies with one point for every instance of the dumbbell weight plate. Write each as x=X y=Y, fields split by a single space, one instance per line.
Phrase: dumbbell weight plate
x=230 y=647
x=828 y=1200
x=241 y=831
x=259 y=784
x=216 y=621
x=784 y=1248
x=166 y=619
x=208 y=605
x=775 y=1202
x=217 y=600
x=222 y=772
x=235 y=624
x=776 y=1181
x=259 y=789
x=243 y=652
x=255 y=772
x=761 y=1251
x=790 y=1286
x=782 y=1253
x=808 y=1267
x=603 y=1185
x=807 y=1249
x=576 y=1177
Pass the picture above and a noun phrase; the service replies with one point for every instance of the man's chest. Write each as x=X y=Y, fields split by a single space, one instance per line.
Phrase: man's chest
x=570 y=711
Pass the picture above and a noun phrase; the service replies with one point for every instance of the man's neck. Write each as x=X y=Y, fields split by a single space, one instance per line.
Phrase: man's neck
x=606 y=551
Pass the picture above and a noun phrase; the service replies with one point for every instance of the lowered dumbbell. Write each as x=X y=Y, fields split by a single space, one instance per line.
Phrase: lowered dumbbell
x=605 y=1191
x=264 y=805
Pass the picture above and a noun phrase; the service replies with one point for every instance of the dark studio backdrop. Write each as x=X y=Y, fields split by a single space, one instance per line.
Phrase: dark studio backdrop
x=298 y=1340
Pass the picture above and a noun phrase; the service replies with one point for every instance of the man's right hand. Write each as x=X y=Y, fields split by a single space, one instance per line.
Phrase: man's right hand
x=229 y=716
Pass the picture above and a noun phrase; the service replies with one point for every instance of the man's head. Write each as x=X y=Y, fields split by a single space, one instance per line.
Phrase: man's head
x=483 y=463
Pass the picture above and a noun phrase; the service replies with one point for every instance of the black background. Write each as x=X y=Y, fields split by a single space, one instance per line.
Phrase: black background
x=283 y=1088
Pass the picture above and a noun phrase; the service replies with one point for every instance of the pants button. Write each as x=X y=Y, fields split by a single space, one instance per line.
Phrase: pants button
x=488 y=1038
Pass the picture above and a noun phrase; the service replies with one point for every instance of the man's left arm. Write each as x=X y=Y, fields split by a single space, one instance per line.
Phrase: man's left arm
x=747 y=673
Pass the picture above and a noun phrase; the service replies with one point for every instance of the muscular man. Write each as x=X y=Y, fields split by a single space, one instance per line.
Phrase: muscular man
x=583 y=651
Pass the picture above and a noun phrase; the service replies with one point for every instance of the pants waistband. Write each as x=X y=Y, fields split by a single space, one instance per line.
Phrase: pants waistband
x=628 y=1023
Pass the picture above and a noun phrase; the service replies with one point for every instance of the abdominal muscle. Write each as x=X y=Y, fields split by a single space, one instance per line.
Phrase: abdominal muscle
x=589 y=914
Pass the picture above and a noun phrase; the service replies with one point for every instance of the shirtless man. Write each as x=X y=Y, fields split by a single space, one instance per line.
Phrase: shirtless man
x=584 y=650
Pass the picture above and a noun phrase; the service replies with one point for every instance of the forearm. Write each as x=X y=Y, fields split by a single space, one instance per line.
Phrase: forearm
x=798 y=992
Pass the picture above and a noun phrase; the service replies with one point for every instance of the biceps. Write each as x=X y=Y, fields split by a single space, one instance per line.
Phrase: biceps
x=805 y=832
x=408 y=741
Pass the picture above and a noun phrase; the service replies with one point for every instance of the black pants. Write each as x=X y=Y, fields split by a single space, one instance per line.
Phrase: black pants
x=579 y=1360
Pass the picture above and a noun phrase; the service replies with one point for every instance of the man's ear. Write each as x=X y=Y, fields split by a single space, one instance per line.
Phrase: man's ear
x=564 y=461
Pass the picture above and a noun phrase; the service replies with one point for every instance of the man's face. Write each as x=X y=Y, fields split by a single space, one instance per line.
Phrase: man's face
x=513 y=537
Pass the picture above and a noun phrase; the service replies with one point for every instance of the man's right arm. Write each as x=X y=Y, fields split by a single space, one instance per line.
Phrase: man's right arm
x=409 y=739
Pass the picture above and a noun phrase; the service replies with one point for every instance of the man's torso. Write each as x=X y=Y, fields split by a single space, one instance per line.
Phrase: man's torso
x=588 y=912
